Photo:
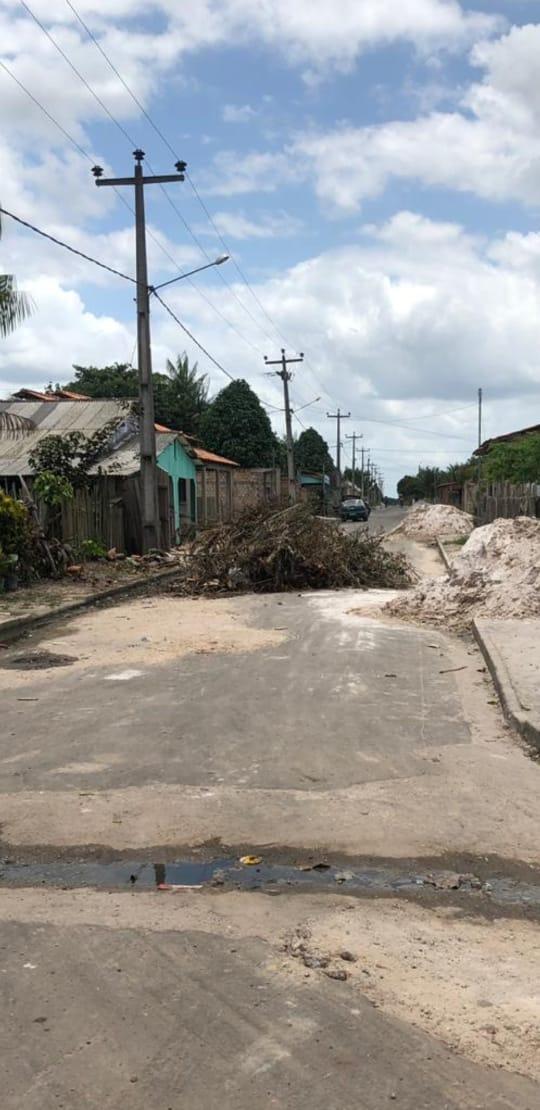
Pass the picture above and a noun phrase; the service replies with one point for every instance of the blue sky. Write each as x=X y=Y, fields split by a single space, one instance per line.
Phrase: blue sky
x=374 y=168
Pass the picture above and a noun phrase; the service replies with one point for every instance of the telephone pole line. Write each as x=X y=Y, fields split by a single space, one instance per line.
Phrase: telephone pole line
x=354 y=437
x=339 y=416
x=150 y=509
x=362 y=479
x=286 y=376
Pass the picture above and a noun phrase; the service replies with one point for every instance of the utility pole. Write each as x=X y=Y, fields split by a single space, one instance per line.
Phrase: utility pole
x=354 y=437
x=479 y=417
x=339 y=416
x=150 y=509
x=286 y=376
x=362 y=481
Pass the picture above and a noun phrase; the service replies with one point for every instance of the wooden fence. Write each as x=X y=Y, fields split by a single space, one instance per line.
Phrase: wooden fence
x=489 y=500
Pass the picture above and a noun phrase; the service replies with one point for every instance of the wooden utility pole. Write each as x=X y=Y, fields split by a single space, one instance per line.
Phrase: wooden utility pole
x=479 y=417
x=339 y=416
x=150 y=509
x=362 y=480
x=354 y=437
x=286 y=376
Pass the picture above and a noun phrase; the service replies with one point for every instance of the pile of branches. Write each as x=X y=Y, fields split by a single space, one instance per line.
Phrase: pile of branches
x=289 y=549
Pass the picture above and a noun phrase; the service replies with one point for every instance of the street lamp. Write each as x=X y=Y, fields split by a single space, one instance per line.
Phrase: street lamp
x=221 y=258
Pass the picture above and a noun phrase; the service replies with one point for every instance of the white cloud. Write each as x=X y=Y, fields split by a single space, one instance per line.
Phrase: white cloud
x=491 y=147
x=408 y=321
x=60 y=332
x=238 y=113
x=268 y=225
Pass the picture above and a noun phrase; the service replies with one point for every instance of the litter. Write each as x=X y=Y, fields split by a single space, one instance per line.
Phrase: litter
x=250 y=861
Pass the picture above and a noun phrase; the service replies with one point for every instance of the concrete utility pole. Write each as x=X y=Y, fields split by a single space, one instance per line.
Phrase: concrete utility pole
x=339 y=416
x=354 y=437
x=286 y=376
x=150 y=509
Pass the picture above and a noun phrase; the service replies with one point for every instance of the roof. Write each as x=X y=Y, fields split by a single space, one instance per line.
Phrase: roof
x=53 y=418
x=534 y=429
x=126 y=460
x=49 y=395
x=209 y=457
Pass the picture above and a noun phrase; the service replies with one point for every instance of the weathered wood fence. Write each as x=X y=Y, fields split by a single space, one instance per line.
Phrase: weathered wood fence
x=489 y=500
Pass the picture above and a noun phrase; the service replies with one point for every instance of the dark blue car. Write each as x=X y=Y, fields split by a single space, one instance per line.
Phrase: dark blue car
x=354 y=508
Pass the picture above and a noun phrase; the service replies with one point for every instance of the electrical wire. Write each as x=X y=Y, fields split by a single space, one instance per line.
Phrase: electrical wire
x=66 y=246
x=169 y=199
x=192 y=337
x=196 y=192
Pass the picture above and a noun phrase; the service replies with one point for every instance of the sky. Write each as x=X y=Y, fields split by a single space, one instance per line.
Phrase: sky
x=372 y=166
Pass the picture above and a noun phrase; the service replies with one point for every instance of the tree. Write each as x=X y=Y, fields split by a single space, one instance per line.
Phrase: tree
x=517 y=461
x=311 y=452
x=180 y=395
x=408 y=488
x=70 y=457
x=183 y=398
x=14 y=306
x=235 y=425
x=117 y=380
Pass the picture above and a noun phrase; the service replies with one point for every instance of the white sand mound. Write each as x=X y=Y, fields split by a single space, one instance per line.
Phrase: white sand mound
x=496 y=574
x=427 y=522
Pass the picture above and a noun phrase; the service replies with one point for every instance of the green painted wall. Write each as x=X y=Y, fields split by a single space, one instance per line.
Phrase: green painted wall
x=175 y=461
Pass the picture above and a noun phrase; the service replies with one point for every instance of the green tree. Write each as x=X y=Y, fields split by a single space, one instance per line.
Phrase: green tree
x=311 y=452
x=517 y=461
x=180 y=395
x=117 y=380
x=408 y=488
x=235 y=425
x=14 y=306
x=182 y=398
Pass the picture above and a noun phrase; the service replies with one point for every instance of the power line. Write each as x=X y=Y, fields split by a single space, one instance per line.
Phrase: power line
x=163 y=138
x=171 y=149
x=66 y=246
x=169 y=199
x=126 y=204
x=196 y=192
x=430 y=415
x=192 y=337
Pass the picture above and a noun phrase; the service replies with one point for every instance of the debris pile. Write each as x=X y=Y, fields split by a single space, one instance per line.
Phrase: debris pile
x=428 y=522
x=289 y=549
x=496 y=574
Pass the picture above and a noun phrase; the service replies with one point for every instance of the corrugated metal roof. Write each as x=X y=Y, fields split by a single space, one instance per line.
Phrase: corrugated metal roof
x=209 y=457
x=52 y=418
x=126 y=460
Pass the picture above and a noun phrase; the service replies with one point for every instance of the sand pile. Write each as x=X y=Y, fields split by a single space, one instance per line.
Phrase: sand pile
x=496 y=574
x=427 y=522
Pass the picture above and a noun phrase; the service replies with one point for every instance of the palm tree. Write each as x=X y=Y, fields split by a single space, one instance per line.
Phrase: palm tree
x=14 y=306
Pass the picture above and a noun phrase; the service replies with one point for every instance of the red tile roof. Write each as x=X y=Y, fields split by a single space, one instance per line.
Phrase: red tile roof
x=209 y=457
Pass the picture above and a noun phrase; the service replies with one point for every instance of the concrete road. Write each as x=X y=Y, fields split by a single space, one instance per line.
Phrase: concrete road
x=294 y=727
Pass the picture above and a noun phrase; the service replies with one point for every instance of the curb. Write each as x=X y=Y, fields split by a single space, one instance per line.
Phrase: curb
x=502 y=680
x=13 y=629
x=444 y=554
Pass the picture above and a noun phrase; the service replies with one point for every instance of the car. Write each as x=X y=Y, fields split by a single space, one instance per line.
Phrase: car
x=354 y=508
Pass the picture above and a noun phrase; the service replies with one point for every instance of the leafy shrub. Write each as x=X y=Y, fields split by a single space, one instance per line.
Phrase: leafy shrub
x=93 y=549
x=17 y=541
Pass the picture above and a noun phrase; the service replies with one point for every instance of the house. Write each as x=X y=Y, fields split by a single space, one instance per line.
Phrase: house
x=49 y=395
x=110 y=509
x=509 y=437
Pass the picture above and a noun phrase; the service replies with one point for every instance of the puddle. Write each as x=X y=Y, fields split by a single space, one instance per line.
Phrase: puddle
x=230 y=873
x=37 y=661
